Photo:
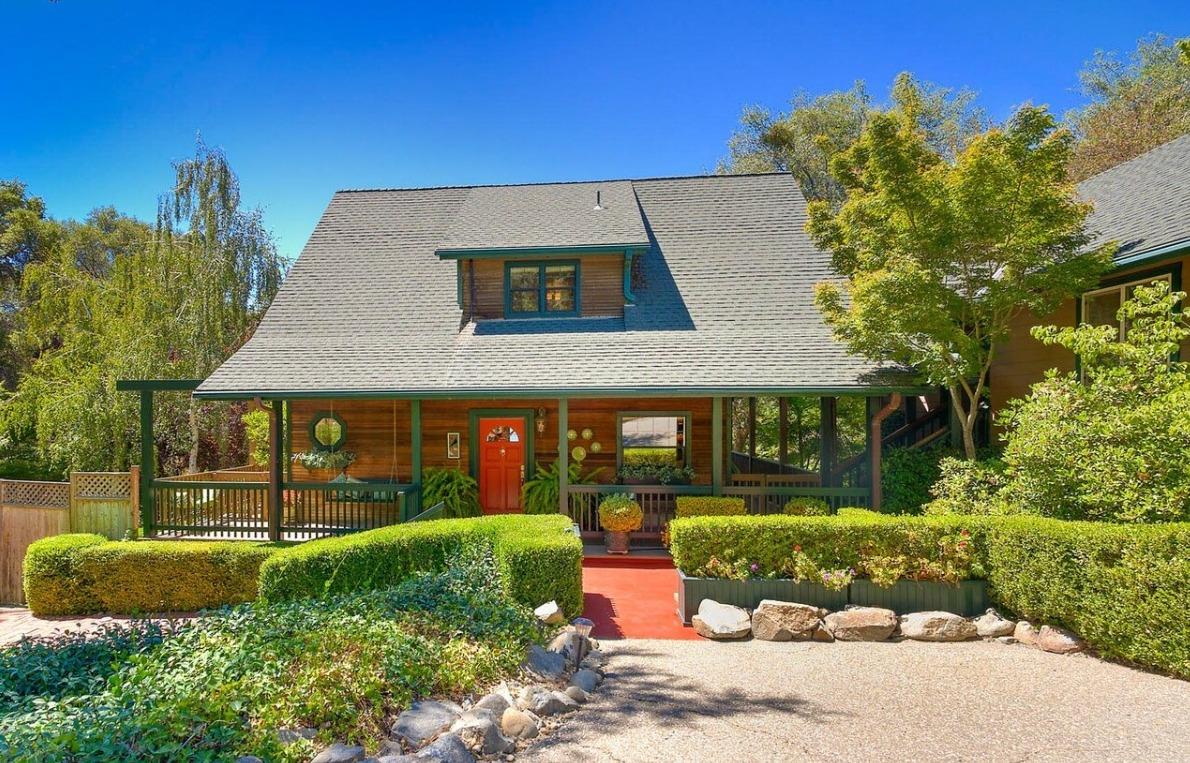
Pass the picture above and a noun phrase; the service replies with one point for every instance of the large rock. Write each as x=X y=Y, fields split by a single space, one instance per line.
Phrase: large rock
x=424 y=721
x=991 y=625
x=482 y=736
x=1059 y=640
x=937 y=626
x=340 y=753
x=786 y=621
x=721 y=621
x=1025 y=633
x=586 y=680
x=447 y=748
x=519 y=724
x=577 y=694
x=550 y=613
x=861 y=624
x=544 y=664
x=544 y=702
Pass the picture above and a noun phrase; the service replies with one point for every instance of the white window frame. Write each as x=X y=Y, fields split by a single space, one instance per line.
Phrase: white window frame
x=1122 y=290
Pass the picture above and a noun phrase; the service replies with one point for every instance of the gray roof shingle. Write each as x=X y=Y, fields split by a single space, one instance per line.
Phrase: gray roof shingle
x=1144 y=203
x=725 y=301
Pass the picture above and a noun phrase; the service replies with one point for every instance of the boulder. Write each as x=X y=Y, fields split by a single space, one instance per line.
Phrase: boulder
x=495 y=704
x=586 y=680
x=785 y=621
x=447 y=748
x=721 y=621
x=991 y=625
x=340 y=753
x=482 y=736
x=550 y=613
x=1025 y=633
x=425 y=720
x=1059 y=640
x=577 y=694
x=289 y=736
x=544 y=664
x=1005 y=639
x=937 y=626
x=861 y=624
x=519 y=724
x=545 y=703
x=822 y=634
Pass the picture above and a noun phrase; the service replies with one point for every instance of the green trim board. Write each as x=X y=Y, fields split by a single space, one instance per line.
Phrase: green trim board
x=1176 y=249
x=538 y=252
x=413 y=505
x=317 y=444
x=475 y=414
x=556 y=392
x=156 y=385
x=543 y=289
x=687 y=459
x=629 y=297
x=1173 y=270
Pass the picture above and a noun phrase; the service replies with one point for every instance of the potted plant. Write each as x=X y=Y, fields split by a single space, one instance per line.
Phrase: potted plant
x=655 y=474
x=619 y=515
x=325 y=464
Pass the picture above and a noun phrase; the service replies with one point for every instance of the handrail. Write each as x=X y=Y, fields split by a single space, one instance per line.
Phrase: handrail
x=434 y=512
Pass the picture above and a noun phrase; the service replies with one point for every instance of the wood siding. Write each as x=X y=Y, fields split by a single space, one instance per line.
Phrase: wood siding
x=1022 y=361
x=370 y=431
x=601 y=281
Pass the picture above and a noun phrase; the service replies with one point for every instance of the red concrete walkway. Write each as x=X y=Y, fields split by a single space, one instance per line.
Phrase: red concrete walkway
x=632 y=599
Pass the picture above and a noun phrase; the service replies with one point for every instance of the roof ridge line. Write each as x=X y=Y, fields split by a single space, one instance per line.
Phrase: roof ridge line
x=727 y=176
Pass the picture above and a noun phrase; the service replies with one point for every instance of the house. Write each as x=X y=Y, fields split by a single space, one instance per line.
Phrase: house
x=493 y=329
x=1144 y=206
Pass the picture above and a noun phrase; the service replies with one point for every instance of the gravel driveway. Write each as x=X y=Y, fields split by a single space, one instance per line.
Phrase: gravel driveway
x=765 y=701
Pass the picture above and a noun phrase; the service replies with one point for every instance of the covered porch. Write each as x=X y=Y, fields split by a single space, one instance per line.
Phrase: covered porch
x=656 y=447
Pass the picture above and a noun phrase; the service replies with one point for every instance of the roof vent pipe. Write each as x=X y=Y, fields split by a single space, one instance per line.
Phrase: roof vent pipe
x=598 y=206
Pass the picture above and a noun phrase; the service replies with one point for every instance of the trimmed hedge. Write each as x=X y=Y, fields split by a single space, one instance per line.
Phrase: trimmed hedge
x=1125 y=589
x=81 y=573
x=538 y=557
x=708 y=506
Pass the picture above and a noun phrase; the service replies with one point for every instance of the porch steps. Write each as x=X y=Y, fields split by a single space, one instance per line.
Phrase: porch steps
x=637 y=558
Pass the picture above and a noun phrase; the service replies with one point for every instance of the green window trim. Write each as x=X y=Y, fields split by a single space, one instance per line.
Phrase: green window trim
x=1172 y=272
x=315 y=444
x=542 y=289
x=686 y=431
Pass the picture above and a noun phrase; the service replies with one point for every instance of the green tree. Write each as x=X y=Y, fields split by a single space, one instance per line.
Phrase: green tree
x=938 y=257
x=1135 y=105
x=803 y=139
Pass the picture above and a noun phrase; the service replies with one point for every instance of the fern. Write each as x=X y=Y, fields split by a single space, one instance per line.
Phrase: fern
x=540 y=494
x=457 y=490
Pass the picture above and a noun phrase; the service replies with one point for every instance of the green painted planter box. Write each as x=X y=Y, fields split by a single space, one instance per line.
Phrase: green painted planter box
x=749 y=593
x=968 y=598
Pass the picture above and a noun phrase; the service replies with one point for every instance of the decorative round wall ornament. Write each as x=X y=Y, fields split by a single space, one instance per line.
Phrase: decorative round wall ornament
x=588 y=434
x=578 y=453
x=596 y=447
x=571 y=434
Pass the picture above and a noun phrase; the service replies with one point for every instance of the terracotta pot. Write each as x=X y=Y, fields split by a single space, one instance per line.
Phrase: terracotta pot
x=617 y=542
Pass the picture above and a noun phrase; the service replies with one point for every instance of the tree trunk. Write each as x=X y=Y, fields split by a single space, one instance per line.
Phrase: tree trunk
x=965 y=410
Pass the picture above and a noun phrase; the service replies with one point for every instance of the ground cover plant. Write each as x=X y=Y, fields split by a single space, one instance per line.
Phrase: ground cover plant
x=224 y=685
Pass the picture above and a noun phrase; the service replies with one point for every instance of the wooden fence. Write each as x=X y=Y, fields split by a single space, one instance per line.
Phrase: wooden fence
x=94 y=502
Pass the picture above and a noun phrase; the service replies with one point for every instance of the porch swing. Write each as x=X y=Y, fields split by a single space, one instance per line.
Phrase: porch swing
x=371 y=493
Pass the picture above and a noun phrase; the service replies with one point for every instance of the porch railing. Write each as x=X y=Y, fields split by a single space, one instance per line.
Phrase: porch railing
x=238 y=508
x=659 y=502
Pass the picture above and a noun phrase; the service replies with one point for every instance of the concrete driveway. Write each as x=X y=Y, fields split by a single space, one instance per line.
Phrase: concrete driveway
x=764 y=701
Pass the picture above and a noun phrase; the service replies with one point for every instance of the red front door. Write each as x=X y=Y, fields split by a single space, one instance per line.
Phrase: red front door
x=501 y=464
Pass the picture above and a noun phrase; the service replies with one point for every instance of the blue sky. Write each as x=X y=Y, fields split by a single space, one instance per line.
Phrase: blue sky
x=99 y=97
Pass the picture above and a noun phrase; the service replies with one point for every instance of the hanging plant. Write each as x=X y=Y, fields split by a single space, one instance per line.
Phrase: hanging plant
x=325 y=459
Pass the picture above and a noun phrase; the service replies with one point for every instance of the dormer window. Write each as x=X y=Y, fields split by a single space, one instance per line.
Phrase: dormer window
x=541 y=289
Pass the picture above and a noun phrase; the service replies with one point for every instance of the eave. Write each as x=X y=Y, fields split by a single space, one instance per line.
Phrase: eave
x=539 y=252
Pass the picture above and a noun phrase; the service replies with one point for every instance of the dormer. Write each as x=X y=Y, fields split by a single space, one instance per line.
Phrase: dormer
x=545 y=251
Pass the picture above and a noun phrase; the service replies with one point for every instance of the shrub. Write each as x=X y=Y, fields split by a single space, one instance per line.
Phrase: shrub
x=538 y=556
x=661 y=473
x=457 y=490
x=709 y=506
x=969 y=487
x=78 y=574
x=1122 y=589
x=256 y=432
x=885 y=549
x=906 y=475
x=220 y=687
x=1109 y=444
x=620 y=514
x=806 y=506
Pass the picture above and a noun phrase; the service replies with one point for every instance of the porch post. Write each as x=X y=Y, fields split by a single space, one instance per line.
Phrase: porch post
x=276 y=472
x=563 y=457
x=414 y=502
x=783 y=430
x=148 y=460
x=827 y=439
x=717 y=445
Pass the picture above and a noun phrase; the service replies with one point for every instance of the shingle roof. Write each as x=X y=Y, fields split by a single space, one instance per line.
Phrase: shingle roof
x=725 y=303
x=1144 y=203
x=555 y=215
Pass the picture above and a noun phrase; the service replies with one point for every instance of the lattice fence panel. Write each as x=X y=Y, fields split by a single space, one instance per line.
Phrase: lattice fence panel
x=48 y=495
x=102 y=484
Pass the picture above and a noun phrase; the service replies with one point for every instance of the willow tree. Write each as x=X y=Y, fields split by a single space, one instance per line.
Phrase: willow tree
x=940 y=256
x=119 y=298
